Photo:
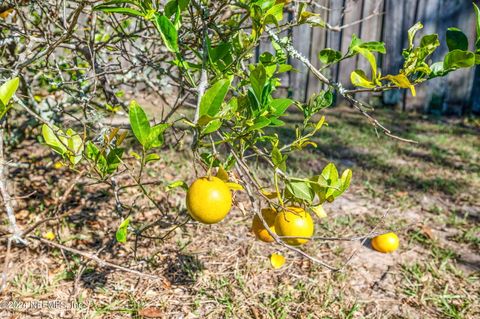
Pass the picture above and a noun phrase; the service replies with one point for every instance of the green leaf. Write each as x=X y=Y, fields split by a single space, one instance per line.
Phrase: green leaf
x=212 y=100
x=212 y=126
x=329 y=56
x=91 y=151
x=258 y=78
x=167 y=31
x=8 y=89
x=330 y=173
x=279 y=106
x=259 y=123
x=139 y=123
x=437 y=70
x=52 y=140
x=278 y=159
x=458 y=59
x=155 y=137
x=152 y=158
x=183 y=4
x=300 y=190
x=121 y=234
x=429 y=43
x=127 y=11
x=274 y=14
x=375 y=46
x=171 y=8
x=177 y=184
x=456 y=40
x=75 y=146
x=359 y=78
x=346 y=178
x=313 y=19
x=113 y=160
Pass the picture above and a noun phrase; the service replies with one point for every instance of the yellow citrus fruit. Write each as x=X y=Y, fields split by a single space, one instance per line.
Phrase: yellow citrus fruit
x=5 y=14
x=209 y=200
x=294 y=221
x=385 y=243
x=257 y=226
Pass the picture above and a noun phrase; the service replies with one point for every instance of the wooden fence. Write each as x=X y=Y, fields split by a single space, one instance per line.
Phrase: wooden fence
x=389 y=20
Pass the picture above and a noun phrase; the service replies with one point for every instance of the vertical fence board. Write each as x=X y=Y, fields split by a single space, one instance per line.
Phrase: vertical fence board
x=371 y=30
x=334 y=38
x=409 y=15
x=475 y=95
x=352 y=14
x=457 y=93
x=318 y=42
x=460 y=81
x=392 y=36
x=301 y=41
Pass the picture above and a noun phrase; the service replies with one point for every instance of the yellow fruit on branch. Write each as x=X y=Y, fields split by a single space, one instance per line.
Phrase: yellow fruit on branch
x=294 y=222
x=209 y=200
x=259 y=229
x=385 y=243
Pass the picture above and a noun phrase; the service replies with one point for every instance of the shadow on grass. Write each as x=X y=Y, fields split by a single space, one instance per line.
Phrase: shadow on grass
x=389 y=163
x=183 y=269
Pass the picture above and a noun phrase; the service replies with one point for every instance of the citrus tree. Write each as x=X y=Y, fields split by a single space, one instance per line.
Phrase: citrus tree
x=72 y=62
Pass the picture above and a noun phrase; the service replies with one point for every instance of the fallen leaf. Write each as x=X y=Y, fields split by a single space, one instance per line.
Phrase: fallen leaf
x=427 y=231
x=277 y=260
x=150 y=312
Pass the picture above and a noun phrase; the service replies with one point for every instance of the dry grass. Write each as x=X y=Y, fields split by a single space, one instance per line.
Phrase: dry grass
x=430 y=189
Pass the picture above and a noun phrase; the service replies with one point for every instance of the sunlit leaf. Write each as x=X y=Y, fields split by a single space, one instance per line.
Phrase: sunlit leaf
x=139 y=123
x=235 y=186
x=222 y=174
x=456 y=39
x=177 y=184
x=212 y=100
x=167 y=31
x=458 y=59
x=8 y=89
x=121 y=234
x=319 y=211
x=359 y=78
x=329 y=56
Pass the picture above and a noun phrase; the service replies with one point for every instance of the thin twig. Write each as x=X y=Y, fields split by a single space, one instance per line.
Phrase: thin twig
x=7 y=200
x=95 y=258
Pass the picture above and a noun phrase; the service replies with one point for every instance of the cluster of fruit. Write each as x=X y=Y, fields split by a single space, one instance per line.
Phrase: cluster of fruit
x=209 y=200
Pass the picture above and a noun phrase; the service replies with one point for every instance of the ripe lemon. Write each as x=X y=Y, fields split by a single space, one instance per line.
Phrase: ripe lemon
x=209 y=200
x=257 y=226
x=385 y=243
x=294 y=221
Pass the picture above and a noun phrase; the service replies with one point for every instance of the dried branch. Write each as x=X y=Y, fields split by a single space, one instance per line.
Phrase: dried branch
x=97 y=259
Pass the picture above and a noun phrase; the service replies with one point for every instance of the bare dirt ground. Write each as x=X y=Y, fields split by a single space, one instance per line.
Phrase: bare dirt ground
x=429 y=191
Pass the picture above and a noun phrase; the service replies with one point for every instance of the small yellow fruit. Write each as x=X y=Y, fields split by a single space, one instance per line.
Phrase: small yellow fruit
x=49 y=235
x=209 y=200
x=257 y=226
x=296 y=222
x=385 y=243
x=5 y=14
x=277 y=261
